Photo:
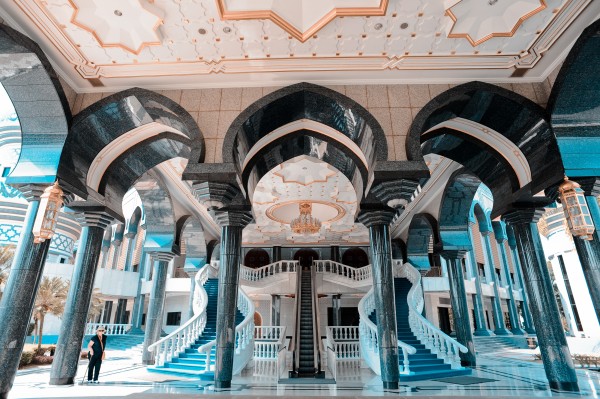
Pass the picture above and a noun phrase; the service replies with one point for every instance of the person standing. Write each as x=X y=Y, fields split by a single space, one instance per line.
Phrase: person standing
x=96 y=354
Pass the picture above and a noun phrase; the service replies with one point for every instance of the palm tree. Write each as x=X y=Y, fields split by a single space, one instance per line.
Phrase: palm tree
x=6 y=256
x=51 y=298
x=96 y=305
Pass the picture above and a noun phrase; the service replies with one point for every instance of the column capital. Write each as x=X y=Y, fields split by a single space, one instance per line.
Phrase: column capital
x=162 y=256
x=376 y=217
x=214 y=194
x=232 y=217
x=589 y=185
x=451 y=254
x=523 y=216
x=31 y=192
x=499 y=231
x=94 y=219
x=395 y=193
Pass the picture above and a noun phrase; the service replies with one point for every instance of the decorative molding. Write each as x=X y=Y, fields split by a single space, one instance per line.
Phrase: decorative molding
x=300 y=33
x=341 y=212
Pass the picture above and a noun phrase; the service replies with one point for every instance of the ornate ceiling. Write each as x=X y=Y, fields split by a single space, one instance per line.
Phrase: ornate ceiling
x=97 y=44
x=276 y=202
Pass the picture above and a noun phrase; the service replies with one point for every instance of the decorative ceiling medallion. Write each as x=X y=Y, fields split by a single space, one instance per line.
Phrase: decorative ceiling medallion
x=480 y=20
x=285 y=212
x=118 y=23
x=305 y=171
x=300 y=18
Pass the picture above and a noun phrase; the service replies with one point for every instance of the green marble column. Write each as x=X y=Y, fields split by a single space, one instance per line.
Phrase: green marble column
x=552 y=342
x=499 y=326
x=481 y=329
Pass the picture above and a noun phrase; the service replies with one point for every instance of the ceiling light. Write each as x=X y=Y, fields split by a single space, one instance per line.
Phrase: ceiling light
x=403 y=25
x=378 y=26
x=118 y=13
x=305 y=223
x=202 y=31
x=227 y=29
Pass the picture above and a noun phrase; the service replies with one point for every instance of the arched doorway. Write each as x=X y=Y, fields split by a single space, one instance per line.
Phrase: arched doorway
x=256 y=258
x=258 y=320
x=355 y=257
x=306 y=257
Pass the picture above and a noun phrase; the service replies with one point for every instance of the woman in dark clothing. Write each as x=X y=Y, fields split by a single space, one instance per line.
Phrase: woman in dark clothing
x=96 y=354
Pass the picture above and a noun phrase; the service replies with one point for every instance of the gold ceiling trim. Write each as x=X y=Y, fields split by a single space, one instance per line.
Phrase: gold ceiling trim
x=511 y=33
x=117 y=45
x=341 y=211
x=227 y=15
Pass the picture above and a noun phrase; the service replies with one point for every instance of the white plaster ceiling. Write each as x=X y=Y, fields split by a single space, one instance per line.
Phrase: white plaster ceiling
x=301 y=179
x=117 y=44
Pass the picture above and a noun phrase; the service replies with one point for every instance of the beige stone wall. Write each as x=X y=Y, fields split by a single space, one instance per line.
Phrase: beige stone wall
x=394 y=107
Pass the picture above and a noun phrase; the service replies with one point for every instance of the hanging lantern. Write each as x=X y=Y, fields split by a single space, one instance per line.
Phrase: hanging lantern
x=576 y=210
x=45 y=222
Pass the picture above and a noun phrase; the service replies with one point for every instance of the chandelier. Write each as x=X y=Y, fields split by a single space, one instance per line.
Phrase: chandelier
x=305 y=223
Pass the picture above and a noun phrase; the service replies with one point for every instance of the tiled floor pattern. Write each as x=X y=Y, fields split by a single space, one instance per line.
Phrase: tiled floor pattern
x=499 y=375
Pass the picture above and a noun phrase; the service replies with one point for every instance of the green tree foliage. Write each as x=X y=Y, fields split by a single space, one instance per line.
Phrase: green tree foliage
x=51 y=298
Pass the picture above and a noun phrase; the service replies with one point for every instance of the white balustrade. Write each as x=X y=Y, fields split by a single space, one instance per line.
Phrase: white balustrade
x=244 y=336
x=433 y=338
x=179 y=340
x=354 y=274
x=111 y=329
x=342 y=345
x=343 y=333
x=369 y=345
x=282 y=266
x=269 y=351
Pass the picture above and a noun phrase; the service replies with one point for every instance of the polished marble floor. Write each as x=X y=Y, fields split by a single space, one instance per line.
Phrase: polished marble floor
x=511 y=374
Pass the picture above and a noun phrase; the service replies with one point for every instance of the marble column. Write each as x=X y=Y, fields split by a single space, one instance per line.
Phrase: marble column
x=499 y=326
x=276 y=254
x=460 y=308
x=552 y=342
x=192 y=277
x=481 y=327
x=589 y=256
x=275 y=310
x=500 y=235
x=336 y=301
x=232 y=224
x=138 y=302
x=74 y=318
x=156 y=305
x=335 y=253
x=17 y=301
x=378 y=223
x=131 y=244
x=527 y=318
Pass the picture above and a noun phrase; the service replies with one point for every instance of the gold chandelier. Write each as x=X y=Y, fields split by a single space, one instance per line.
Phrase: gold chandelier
x=305 y=223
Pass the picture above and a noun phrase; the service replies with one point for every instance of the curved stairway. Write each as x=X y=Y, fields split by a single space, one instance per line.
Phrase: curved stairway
x=424 y=364
x=190 y=363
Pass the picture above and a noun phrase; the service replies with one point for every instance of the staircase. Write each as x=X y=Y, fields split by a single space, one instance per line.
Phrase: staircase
x=500 y=343
x=424 y=364
x=191 y=363
x=307 y=352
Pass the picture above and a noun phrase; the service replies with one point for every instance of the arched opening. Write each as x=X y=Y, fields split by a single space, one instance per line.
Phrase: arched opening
x=355 y=257
x=306 y=257
x=258 y=320
x=256 y=258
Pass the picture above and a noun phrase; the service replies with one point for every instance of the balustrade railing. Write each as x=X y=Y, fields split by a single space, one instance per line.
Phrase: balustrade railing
x=111 y=329
x=244 y=336
x=182 y=338
x=432 y=337
x=342 y=344
x=282 y=266
x=369 y=344
x=355 y=274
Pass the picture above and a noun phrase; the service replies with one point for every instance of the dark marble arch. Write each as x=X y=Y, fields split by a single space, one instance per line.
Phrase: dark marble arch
x=422 y=228
x=520 y=120
x=98 y=125
x=573 y=106
x=304 y=101
x=41 y=106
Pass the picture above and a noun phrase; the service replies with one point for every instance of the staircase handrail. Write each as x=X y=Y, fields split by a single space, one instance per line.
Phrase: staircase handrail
x=369 y=343
x=432 y=337
x=355 y=274
x=268 y=341
x=346 y=347
x=281 y=266
x=168 y=347
x=111 y=329
x=296 y=337
x=244 y=335
x=318 y=344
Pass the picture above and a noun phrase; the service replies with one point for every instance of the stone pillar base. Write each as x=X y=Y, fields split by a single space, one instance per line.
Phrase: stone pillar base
x=517 y=331
x=564 y=386
x=502 y=331
x=483 y=332
x=222 y=384
x=530 y=331
x=62 y=381
x=390 y=385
